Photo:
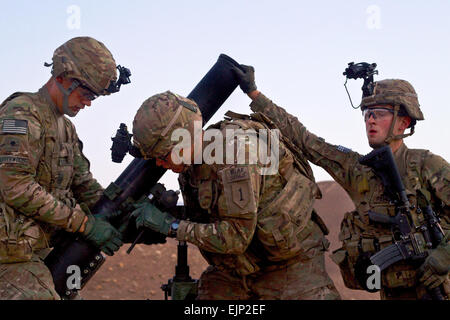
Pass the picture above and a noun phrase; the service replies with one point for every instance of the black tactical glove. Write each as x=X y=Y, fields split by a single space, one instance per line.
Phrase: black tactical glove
x=102 y=234
x=246 y=77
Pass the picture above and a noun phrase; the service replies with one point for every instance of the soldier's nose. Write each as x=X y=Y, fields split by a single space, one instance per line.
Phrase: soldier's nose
x=371 y=118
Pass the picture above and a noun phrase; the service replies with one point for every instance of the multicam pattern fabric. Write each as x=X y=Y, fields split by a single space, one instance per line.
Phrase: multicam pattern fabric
x=26 y=281
x=255 y=230
x=302 y=280
x=87 y=60
x=419 y=169
x=395 y=92
x=43 y=177
x=158 y=117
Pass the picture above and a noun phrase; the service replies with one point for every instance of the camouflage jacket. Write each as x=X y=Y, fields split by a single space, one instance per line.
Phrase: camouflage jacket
x=419 y=169
x=43 y=175
x=244 y=221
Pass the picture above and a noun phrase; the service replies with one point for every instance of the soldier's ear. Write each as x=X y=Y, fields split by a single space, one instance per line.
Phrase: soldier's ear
x=59 y=79
x=404 y=123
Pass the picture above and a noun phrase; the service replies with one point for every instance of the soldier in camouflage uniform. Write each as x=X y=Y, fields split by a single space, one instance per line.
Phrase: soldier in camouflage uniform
x=259 y=233
x=45 y=182
x=388 y=112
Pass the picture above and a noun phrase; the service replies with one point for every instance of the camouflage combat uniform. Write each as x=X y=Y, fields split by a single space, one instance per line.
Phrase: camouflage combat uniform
x=259 y=233
x=45 y=182
x=43 y=175
x=418 y=169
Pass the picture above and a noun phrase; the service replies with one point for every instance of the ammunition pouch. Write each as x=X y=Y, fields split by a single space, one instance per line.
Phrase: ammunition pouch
x=400 y=275
x=281 y=223
x=18 y=236
x=361 y=265
x=353 y=262
x=15 y=251
x=340 y=257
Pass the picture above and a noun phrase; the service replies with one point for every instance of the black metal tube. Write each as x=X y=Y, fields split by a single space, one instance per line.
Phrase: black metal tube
x=215 y=87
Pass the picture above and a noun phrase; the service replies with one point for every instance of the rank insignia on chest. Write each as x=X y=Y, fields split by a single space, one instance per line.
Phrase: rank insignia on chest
x=14 y=126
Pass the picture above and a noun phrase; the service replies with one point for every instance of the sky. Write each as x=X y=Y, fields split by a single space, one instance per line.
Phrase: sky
x=299 y=50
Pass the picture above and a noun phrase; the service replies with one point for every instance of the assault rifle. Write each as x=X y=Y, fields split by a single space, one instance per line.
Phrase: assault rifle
x=134 y=186
x=410 y=240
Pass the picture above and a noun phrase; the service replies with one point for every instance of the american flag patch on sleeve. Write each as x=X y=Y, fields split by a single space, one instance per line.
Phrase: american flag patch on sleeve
x=14 y=126
x=343 y=149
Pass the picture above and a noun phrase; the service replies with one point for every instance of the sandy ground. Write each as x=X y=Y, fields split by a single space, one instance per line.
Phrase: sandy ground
x=140 y=275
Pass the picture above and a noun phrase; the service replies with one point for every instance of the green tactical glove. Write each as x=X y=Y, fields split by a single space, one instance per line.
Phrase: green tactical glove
x=435 y=269
x=102 y=234
x=246 y=77
x=151 y=217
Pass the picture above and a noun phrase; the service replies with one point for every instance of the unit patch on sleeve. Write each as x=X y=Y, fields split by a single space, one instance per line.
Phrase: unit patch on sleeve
x=238 y=189
x=343 y=149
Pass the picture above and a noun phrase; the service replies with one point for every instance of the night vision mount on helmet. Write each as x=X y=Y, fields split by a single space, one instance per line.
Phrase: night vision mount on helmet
x=362 y=70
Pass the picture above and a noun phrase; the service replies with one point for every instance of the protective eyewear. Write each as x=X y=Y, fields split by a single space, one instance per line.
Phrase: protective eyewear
x=87 y=93
x=377 y=113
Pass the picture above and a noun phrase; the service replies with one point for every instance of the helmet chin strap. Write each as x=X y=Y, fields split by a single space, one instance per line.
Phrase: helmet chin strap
x=391 y=135
x=66 y=93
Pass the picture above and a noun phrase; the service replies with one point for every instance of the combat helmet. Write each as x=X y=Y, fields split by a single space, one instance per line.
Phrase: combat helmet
x=88 y=61
x=89 y=64
x=401 y=95
x=158 y=117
